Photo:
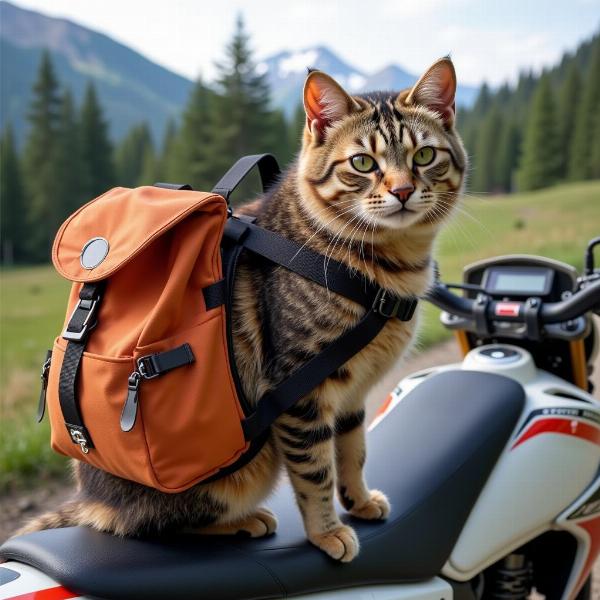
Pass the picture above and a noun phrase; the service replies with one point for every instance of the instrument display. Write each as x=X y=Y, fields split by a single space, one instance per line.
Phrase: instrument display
x=518 y=281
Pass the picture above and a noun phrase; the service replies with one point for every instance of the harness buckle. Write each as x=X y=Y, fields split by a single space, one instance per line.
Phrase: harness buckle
x=390 y=306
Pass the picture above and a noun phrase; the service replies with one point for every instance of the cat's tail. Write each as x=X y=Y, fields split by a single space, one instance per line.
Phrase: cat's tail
x=66 y=515
x=96 y=515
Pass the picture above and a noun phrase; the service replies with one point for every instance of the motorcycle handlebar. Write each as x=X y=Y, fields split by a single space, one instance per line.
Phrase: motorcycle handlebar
x=576 y=305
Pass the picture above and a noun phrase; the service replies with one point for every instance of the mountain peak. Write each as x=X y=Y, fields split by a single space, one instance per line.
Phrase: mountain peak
x=133 y=89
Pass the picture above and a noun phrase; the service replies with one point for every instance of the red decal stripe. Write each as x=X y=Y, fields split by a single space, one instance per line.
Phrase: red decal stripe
x=570 y=427
x=593 y=529
x=55 y=593
x=386 y=404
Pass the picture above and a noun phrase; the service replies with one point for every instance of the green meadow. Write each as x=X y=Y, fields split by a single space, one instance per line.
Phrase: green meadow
x=555 y=222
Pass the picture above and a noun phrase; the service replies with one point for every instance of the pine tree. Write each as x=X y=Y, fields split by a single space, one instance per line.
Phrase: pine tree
x=280 y=144
x=67 y=161
x=469 y=124
x=192 y=150
x=484 y=100
x=131 y=154
x=44 y=211
x=96 y=149
x=595 y=149
x=166 y=159
x=568 y=107
x=486 y=148
x=296 y=127
x=580 y=159
x=540 y=160
x=241 y=120
x=148 y=174
x=12 y=202
x=520 y=103
x=507 y=156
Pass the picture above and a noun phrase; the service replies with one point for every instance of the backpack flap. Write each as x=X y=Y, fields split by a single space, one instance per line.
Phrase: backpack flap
x=106 y=233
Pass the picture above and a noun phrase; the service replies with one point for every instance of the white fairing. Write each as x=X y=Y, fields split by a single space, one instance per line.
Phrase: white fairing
x=550 y=461
x=433 y=589
x=29 y=582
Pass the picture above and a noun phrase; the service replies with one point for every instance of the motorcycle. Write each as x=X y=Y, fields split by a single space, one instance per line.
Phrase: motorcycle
x=492 y=467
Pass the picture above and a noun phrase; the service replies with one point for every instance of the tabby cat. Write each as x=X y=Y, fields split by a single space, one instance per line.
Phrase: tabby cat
x=375 y=179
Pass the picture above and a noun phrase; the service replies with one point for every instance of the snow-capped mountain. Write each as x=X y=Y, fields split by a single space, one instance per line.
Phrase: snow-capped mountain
x=286 y=72
x=132 y=88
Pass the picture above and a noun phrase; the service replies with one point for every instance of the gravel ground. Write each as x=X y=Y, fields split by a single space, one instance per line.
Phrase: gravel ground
x=15 y=508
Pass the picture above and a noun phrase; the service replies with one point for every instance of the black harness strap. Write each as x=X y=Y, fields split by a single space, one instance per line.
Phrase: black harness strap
x=312 y=373
x=82 y=320
x=301 y=260
x=380 y=306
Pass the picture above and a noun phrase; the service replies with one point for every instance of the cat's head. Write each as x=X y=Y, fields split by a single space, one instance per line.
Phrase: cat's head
x=384 y=160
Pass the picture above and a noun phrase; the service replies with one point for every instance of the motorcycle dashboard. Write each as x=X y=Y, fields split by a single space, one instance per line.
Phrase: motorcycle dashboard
x=521 y=276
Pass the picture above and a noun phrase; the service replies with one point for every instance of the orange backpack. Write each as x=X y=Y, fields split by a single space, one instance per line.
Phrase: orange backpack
x=142 y=381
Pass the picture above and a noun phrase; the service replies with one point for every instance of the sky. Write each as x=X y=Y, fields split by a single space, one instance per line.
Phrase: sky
x=489 y=40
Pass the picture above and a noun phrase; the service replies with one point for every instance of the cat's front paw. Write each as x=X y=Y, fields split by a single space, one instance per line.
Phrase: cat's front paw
x=377 y=508
x=260 y=523
x=340 y=543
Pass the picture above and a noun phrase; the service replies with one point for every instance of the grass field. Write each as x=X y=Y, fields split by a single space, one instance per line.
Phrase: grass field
x=556 y=223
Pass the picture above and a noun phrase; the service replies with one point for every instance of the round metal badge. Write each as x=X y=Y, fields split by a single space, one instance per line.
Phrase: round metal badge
x=93 y=253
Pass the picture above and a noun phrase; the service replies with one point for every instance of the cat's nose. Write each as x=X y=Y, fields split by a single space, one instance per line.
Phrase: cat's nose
x=403 y=192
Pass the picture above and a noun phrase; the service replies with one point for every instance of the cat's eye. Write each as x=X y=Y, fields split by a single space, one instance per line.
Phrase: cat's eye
x=363 y=163
x=424 y=156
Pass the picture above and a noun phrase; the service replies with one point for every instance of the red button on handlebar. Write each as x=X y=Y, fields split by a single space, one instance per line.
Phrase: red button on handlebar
x=507 y=309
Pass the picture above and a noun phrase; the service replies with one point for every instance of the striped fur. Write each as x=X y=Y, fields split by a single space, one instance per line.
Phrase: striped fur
x=281 y=320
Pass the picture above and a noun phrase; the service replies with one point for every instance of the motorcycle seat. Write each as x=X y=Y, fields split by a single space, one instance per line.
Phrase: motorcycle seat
x=431 y=455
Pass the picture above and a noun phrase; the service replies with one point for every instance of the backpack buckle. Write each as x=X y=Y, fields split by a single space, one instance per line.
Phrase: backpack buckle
x=76 y=332
x=146 y=367
x=79 y=437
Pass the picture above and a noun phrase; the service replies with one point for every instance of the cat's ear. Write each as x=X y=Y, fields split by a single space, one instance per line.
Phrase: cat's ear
x=325 y=102
x=436 y=89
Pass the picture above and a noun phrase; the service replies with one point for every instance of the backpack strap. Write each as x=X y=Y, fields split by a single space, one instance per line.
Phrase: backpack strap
x=380 y=305
x=83 y=319
x=267 y=166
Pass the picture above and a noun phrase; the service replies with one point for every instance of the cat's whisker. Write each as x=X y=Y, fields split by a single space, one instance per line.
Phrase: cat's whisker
x=362 y=244
x=445 y=210
x=361 y=247
x=329 y=255
x=348 y=201
x=465 y=212
x=353 y=233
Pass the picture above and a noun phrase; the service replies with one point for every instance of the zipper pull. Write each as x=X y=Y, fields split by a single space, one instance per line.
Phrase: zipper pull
x=44 y=377
x=149 y=367
x=130 y=408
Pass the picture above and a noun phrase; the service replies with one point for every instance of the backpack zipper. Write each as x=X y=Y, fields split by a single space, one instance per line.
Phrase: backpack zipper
x=44 y=378
x=149 y=367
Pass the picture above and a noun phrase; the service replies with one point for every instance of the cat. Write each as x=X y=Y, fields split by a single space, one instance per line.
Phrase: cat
x=376 y=177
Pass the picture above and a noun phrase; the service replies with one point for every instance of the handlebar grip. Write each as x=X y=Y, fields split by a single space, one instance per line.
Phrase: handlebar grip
x=555 y=312
x=583 y=301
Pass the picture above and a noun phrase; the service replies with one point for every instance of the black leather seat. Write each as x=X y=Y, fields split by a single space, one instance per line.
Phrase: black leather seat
x=431 y=455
